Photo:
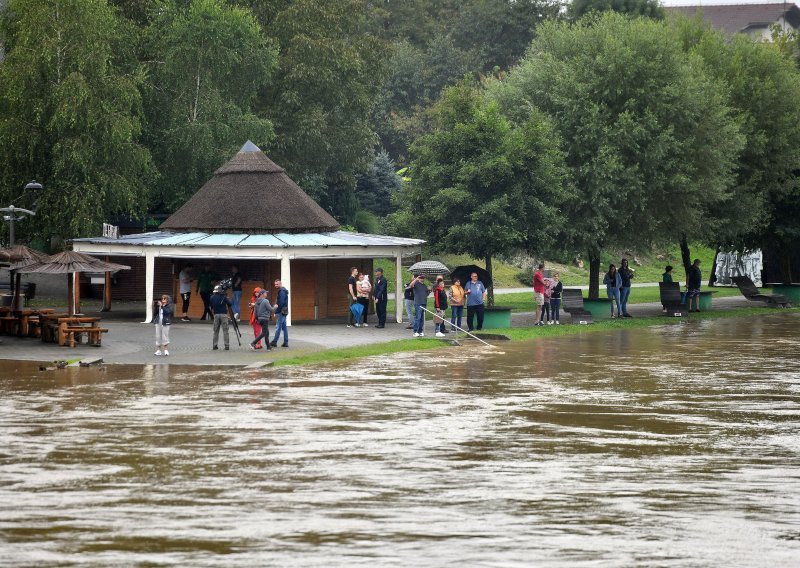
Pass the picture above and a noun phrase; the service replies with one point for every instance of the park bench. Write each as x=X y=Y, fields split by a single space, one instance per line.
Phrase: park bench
x=572 y=302
x=671 y=299
x=93 y=335
x=749 y=291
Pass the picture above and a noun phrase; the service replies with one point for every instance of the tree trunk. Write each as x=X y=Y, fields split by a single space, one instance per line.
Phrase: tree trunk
x=686 y=255
x=786 y=261
x=712 y=277
x=594 y=274
x=490 y=289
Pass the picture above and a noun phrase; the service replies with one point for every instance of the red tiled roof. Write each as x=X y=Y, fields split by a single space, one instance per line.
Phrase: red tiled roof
x=737 y=18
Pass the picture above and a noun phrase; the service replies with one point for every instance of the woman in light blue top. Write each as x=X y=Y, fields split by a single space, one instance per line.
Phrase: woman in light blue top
x=613 y=282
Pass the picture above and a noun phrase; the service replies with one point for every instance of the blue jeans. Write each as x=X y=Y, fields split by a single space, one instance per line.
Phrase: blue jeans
x=555 y=306
x=419 y=318
x=623 y=298
x=237 y=297
x=410 y=311
x=280 y=324
x=456 y=313
x=613 y=294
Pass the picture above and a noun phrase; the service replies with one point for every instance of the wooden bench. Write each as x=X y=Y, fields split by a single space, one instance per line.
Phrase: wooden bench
x=671 y=299
x=93 y=335
x=8 y=324
x=572 y=302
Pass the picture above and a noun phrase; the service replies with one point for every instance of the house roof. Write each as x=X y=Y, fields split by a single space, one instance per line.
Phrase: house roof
x=737 y=18
x=274 y=203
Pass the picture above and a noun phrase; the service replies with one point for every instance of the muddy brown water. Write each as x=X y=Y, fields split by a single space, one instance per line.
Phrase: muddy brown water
x=675 y=446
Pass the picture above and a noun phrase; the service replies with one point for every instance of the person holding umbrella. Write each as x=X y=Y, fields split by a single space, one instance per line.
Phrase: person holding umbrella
x=421 y=292
x=476 y=296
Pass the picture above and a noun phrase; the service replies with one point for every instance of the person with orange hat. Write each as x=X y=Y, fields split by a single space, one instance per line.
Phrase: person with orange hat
x=253 y=319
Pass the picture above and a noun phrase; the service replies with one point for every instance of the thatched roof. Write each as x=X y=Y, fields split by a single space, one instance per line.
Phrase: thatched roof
x=20 y=255
x=250 y=194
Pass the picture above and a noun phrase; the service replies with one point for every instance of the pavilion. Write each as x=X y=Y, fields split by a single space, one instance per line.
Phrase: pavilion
x=250 y=213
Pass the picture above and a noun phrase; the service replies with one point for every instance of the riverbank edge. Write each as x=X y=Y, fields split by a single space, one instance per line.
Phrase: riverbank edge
x=521 y=334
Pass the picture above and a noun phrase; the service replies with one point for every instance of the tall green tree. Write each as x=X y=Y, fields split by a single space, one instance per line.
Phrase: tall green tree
x=71 y=113
x=481 y=185
x=647 y=8
x=376 y=186
x=764 y=86
x=329 y=73
x=208 y=61
x=649 y=140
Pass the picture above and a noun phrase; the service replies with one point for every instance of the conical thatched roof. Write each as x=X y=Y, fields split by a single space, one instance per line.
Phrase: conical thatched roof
x=71 y=261
x=250 y=194
x=20 y=255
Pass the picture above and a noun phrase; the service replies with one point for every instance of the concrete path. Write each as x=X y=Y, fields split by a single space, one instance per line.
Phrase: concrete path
x=130 y=341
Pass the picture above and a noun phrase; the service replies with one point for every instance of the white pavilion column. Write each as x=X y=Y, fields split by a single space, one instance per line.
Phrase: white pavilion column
x=149 y=278
x=286 y=280
x=398 y=287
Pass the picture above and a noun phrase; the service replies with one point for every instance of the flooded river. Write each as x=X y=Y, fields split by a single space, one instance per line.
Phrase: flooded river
x=675 y=446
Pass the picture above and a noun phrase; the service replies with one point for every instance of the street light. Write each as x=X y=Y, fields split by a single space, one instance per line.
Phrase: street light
x=18 y=213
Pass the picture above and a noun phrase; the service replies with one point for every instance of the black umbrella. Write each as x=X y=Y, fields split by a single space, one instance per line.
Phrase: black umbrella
x=464 y=273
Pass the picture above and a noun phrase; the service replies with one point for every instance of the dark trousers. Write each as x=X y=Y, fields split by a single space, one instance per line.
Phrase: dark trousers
x=186 y=296
x=473 y=311
x=264 y=323
x=365 y=304
x=351 y=319
x=206 y=296
x=380 y=309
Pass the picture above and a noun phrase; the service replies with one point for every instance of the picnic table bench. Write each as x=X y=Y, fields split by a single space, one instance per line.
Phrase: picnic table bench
x=23 y=322
x=65 y=329
x=572 y=302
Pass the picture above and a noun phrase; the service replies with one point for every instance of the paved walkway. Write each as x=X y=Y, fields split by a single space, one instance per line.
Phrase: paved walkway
x=130 y=341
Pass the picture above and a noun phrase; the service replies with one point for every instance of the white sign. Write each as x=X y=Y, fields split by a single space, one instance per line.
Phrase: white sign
x=110 y=231
x=739 y=264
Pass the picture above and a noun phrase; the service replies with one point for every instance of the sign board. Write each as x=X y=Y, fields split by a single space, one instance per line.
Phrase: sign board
x=110 y=231
x=739 y=264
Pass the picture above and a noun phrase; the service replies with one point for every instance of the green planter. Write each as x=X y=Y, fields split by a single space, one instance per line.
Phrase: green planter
x=791 y=291
x=496 y=317
x=599 y=308
x=706 y=299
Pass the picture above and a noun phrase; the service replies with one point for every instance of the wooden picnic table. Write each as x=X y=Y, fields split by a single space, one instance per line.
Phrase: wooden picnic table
x=65 y=328
x=20 y=320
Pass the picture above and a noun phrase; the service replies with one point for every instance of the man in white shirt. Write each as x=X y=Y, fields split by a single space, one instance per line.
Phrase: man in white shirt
x=185 y=280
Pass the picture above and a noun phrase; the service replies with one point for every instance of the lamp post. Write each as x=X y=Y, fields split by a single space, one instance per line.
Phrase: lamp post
x=17 y=213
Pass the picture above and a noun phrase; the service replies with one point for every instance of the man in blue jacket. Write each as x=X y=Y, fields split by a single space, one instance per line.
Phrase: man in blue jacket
x=381 y=295
x=281 y=312
x=219 y=307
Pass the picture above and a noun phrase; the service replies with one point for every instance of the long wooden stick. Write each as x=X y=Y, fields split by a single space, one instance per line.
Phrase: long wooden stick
x=459 y=329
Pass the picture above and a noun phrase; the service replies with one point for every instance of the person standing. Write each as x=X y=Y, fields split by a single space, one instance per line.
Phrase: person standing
x=546 y=306
x=556 y=287
x=694 y=280
x=205 y=286
x=475 y=292
x=666 y=277
x=185 y=288
x=219 y=307
x=262 y=310
x=281 y=313
x=456 y=304
x=352 y=290
x=440 y=303
x=538 y=293
x=613 y=282
x=364 y=293
x=236 y=288
x=253 y=319
x=381 y=296
x=163 y=320
x=408 y=300
x=626 y=273
x=421 y=291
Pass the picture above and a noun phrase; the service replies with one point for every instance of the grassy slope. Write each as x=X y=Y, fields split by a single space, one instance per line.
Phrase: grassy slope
x=650 y=269
x=520 y=334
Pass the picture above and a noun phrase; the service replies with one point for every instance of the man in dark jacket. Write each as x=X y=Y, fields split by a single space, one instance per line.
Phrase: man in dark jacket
x=281 y=313
x=694 y=279
x=219 y=307
x=262 y=311
x=626 y=273
x=381 y=295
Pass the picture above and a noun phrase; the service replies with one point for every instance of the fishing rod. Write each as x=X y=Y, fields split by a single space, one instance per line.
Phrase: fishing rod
x=459 y=329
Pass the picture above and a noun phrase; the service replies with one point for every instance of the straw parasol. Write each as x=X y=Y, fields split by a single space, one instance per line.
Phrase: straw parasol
x=70 y=262
x=19 y=255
